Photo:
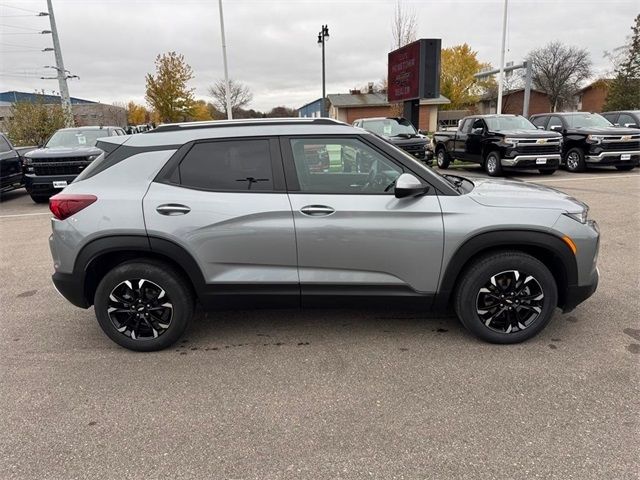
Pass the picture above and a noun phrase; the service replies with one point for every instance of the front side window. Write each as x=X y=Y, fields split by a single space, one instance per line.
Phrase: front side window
x=626 y=119
x=342 y=166
x=229 y=165
x=539 y=121
x=477 y=125
x=554 y=123
x=4 y=145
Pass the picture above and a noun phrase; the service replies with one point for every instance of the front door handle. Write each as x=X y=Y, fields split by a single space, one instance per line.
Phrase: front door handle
x=173 y=209
x=317 y=210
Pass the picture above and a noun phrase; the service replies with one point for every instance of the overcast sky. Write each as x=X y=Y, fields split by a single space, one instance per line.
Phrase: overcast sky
x=271 y=44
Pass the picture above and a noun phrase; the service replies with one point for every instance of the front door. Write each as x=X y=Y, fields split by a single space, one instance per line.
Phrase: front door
x=353 y=235
x=473 y=151
x=225 y=203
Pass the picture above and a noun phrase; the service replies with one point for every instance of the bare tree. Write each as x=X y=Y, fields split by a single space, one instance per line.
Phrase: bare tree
x=404 y=26
x=558 y=70
x=241 y=96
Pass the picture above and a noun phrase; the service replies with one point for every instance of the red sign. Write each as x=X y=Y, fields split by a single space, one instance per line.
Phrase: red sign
x=404 y=73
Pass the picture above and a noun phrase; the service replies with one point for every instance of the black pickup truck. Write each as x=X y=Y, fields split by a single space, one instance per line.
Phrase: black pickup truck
x=11 y=158
x=590 y=140
x=498 y=142
x=401 y=133
x=67 y=153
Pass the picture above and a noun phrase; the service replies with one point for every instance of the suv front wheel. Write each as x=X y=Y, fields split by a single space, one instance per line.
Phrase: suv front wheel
x=506 y=297
x=143 y=305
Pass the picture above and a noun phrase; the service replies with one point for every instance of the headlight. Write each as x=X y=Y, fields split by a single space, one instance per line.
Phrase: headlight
x=595 y=138
x=511 y=141
x=27 y=161
x=580 y=216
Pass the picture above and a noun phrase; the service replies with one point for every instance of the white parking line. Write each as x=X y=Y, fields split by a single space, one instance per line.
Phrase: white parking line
x=578 y=179
x=24 y=215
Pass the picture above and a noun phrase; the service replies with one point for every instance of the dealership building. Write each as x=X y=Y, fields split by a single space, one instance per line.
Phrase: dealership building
x=85 y=112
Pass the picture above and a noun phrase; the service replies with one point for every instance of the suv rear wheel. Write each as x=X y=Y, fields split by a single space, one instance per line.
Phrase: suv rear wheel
x=506 y=297
x=143 y=305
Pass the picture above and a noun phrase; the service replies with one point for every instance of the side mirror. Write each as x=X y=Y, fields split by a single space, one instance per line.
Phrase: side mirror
x=409 y=186
x=540 y=127
x=556 y=128
x=477 y=131
x=631 y=125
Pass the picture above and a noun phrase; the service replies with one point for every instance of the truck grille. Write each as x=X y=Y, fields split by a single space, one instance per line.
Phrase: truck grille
x=621 y=146
x=538 y=149
x=59 y=166
x=419 y=147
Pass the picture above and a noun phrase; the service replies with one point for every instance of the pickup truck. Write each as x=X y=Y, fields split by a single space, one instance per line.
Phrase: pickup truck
x=401 y=133
x=499 y=142
x=11 y=158
x=590 y=140
x=67 y=153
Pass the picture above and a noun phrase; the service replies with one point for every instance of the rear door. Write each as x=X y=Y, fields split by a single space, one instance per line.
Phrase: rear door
x=353 y=235
x=224 y=201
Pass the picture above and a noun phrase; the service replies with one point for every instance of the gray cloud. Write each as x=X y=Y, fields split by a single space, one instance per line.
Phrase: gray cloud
x=272 y=47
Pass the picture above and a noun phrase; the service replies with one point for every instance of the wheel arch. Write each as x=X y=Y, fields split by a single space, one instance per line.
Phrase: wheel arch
x=103 y=254
x=546 y=247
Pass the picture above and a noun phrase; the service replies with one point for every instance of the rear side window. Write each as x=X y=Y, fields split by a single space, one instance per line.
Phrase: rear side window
x=466 y=125
x=228 y=165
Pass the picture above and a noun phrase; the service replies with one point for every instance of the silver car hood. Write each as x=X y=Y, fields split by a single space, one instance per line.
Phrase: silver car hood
x=517 y=194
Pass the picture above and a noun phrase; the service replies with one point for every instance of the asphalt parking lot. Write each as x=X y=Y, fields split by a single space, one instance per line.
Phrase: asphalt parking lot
x=324 y=394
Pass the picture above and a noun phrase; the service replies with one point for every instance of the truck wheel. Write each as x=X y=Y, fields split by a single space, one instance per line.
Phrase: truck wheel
x=40 y=198
x=575 y=160
x=442 y=158
x=492 y=165
x=506 y=297
x=547 y=171
x=143 y=305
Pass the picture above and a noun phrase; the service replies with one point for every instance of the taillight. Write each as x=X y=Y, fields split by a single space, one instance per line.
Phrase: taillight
x=64 y=205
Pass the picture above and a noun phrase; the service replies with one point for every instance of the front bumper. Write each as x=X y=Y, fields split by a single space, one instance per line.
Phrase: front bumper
x=42 y=183
x=576 y=294
x=532 y=161
x=613 y=158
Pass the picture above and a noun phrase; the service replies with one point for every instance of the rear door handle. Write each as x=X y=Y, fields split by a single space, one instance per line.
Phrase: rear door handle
x=317 y=210
x=173 y=209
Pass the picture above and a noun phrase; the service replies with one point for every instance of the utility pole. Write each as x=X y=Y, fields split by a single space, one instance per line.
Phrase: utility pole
x=62 y=73
x=527 y=82
x=323 y=37
x=504 y=41
x=224 y=59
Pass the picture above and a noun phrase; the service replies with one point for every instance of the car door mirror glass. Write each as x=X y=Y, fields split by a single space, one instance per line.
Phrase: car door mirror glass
x=631 y=125
x=477 y=130
x=556 y=128
x=407 y=185
x=540 y=127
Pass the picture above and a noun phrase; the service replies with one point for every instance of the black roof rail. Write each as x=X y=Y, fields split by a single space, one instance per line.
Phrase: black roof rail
x=173 y=127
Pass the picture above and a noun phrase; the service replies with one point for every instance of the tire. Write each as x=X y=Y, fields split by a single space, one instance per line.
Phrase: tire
x=492 y=164
x=574 y=160
x=40 y=198
x=169 y=314
x=498 y=324
x=442 y=158
x=625 y=168
x=547 y=171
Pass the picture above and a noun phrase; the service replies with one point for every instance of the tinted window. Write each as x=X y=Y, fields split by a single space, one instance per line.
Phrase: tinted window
x=539 y=121
x=611 y=117
x=554 y=122
x=477 y=124
x=626 y=119
x=466 y=125
x=232 y=165
x=4 y=145
x=342 y=166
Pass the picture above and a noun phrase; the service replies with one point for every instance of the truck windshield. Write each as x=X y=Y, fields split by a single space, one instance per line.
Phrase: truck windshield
x=586 y=120
x=390 y=127
x=76 y=138
x=509 y=123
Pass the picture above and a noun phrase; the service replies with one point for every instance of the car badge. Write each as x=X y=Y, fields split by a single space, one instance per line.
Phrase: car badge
x=626 y=137
x=542 y=140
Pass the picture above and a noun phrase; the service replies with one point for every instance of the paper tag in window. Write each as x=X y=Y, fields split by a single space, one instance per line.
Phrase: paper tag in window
x=82 y=140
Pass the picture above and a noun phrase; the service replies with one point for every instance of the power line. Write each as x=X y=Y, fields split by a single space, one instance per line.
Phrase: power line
x=18 y=8
x=20 y=28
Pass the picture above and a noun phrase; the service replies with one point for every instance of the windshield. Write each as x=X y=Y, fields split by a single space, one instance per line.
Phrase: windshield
x=76 y=138
x=509 y=123
x=586 y=120
x=390 y=127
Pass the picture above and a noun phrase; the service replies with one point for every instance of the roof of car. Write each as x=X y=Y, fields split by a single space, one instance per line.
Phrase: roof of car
x=564 y=114
x=378 y=118
x=180 y=133
x=637 y=112
x=90 y=127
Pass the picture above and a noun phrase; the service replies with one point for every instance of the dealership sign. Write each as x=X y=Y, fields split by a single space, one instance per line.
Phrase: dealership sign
x=414 y=71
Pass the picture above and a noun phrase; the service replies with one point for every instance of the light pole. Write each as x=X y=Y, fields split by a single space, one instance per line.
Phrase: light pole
x=323 y=36
x=224 y=59
x=62 y=73
x=501 y=74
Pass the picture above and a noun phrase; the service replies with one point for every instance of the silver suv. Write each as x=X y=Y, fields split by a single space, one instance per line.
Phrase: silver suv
x=298 y=212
